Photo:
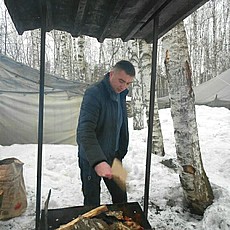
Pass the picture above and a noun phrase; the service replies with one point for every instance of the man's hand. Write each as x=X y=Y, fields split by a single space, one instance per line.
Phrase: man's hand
x=103 y=169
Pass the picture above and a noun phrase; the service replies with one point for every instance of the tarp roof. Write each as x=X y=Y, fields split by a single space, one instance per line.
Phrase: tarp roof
x=24 y=79
x=102 y=19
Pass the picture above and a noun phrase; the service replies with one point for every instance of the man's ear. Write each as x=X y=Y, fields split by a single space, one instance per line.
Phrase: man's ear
x=111 y=73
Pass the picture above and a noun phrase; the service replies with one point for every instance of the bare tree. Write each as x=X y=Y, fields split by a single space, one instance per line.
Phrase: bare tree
x=145 y=71
x=137 y=90
x=6 y=32
x=81 y=59
x=75 y=75
x=197 y=190
x=35 y=48
x=57 y=51
x=65 y=55
x=208 y=31
x=214 y=38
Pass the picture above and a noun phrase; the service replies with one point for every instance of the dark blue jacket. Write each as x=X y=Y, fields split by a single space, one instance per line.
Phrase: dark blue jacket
x=97 y=124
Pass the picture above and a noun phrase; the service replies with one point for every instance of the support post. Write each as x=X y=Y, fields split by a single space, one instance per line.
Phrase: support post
x=41 y=108
x=151 y=113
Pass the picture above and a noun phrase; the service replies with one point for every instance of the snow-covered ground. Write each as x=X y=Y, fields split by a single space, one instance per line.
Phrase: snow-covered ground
x=60 y=173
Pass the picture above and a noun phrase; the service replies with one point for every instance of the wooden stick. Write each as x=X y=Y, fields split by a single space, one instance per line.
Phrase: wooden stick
x=90 y=214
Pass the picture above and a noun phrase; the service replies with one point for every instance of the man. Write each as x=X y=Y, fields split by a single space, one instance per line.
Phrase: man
x=102 y=132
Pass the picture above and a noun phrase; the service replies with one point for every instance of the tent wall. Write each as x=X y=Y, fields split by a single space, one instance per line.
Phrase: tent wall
x=214 y=93
x=19 y=118
x=19 y=105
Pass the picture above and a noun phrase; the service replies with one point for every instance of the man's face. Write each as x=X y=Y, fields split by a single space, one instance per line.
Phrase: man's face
x=119 y=80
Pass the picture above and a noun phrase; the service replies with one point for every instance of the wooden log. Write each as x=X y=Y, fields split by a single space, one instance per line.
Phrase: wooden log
x=90 y=214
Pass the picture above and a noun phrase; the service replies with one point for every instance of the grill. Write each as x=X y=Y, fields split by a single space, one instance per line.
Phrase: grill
x=54 y=218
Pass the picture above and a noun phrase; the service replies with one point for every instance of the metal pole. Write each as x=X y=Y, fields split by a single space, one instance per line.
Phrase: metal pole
x=40 y=121
x=151 y=112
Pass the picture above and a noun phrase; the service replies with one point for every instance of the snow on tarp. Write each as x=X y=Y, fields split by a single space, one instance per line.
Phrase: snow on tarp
x=214 y=93
x=19 y=105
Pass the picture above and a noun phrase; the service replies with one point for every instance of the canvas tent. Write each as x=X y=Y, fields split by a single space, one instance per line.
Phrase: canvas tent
x=215 y=92
x=19 y=98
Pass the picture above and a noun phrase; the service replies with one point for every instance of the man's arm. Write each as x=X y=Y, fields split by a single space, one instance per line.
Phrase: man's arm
x=86 y=130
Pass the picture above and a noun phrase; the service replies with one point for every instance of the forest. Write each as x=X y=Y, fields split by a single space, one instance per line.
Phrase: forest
x=85 y=59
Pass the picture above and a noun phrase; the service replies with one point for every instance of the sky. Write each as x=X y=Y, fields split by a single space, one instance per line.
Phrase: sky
x=166 y=210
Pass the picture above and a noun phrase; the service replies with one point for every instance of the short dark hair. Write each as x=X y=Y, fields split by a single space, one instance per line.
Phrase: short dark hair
x=126 y=66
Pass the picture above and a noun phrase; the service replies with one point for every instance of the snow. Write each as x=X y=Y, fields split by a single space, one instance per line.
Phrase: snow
x=60 y=173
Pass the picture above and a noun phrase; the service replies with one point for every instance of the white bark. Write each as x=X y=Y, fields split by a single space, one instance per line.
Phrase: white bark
x=145 y=72
x=57 y=52
x=36 y=38
x=75 y=64
x=65 y=55
x=157 y=137
x=214 y=39
x=137 y=90
x=81 y=58
x=196 y=187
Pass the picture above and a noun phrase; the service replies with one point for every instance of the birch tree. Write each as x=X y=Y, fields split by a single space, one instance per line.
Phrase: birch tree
x=101 y=67
x=194 y=48
x=57 y=52
x=224 y=61
x=6 y=32
x=74 y=60
x=65 y=55
x=196 y=186
x=35 y=53
x=214 y=39
x=81 y=58
x=145 y=73
x=137 y=90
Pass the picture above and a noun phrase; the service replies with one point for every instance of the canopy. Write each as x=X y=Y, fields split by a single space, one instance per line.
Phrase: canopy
x=19 y=92
x=102 y=19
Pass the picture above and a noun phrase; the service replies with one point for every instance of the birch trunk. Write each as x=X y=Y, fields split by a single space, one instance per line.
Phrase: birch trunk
x=157 y=137
x=65 y=55
x=197 y=190
x=56 y=53
x=35 y=36
x=75 y=64
x=214 y=39
x=5 y=32
x=102 y=57
x=81 y=58
x=145 y=72
x=137 y=100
